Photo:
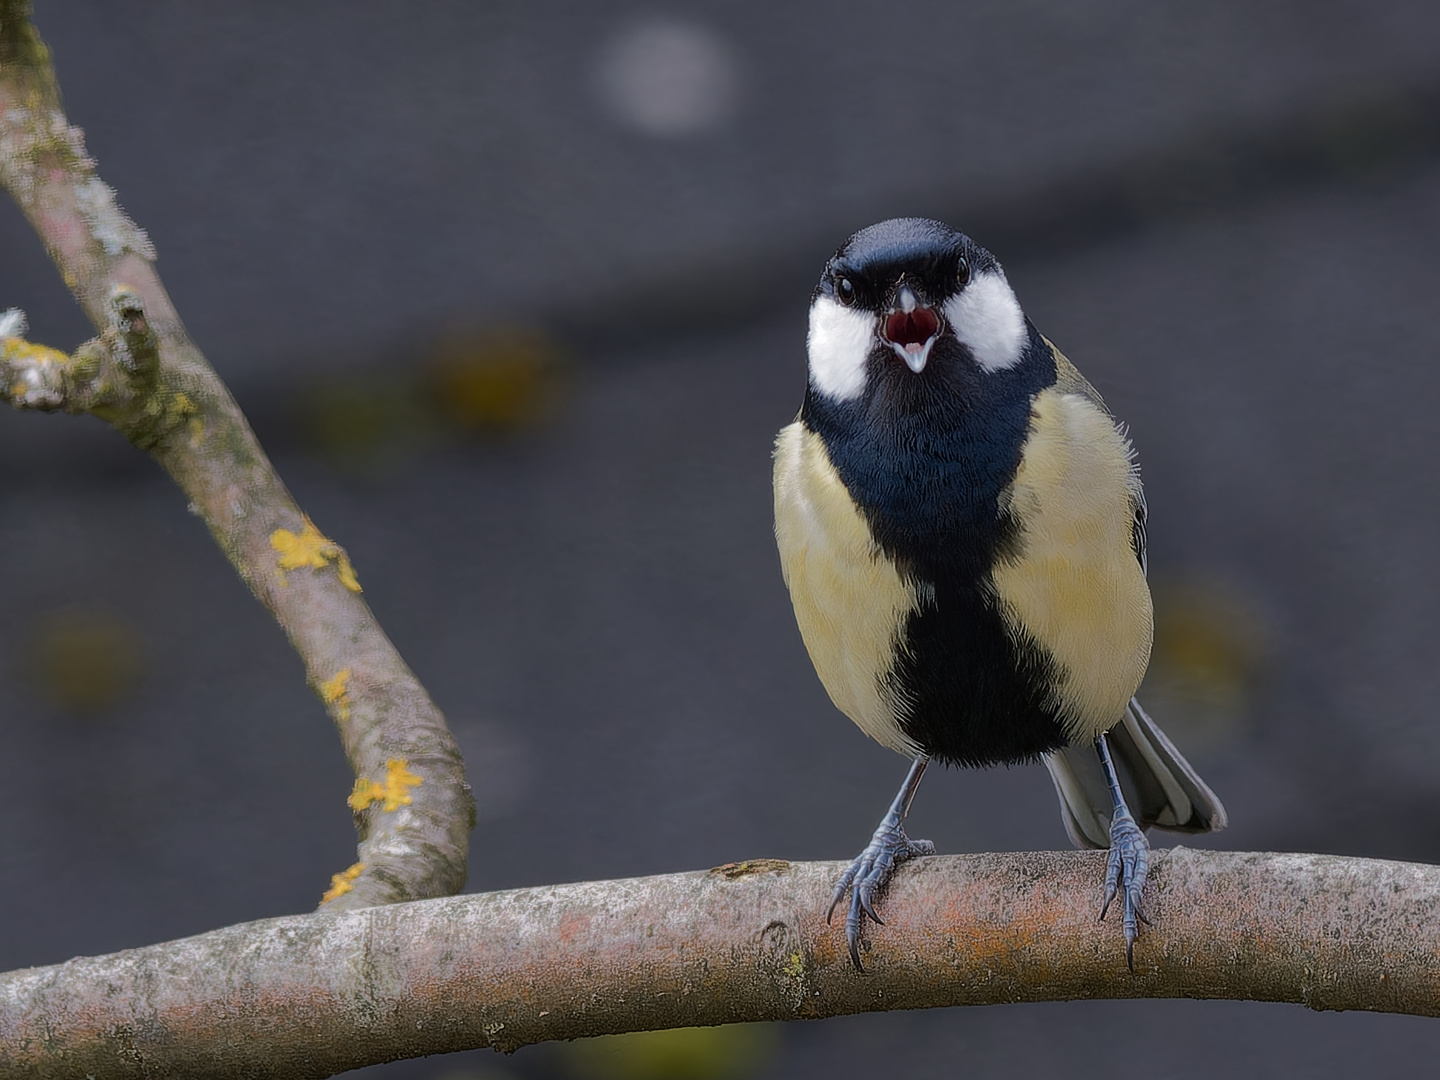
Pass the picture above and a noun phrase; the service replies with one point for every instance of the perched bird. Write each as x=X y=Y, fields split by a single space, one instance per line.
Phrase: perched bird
x=962 y=529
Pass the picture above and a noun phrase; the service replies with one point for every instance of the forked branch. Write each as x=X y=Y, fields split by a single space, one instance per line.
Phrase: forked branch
x=145 y=377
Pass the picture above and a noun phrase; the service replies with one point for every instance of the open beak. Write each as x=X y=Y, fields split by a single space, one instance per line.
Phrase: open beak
x=911 y=330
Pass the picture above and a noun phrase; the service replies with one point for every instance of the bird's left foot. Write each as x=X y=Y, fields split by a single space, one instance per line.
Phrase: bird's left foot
x=867 y=875
x=1125 y=876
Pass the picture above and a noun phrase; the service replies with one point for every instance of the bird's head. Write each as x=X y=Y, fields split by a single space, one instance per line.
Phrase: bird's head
x=910 y=292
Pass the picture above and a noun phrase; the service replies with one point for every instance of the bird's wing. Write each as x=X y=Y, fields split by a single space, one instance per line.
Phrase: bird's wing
x=1137 y=528
x=1161 y=787
x=1068 y=380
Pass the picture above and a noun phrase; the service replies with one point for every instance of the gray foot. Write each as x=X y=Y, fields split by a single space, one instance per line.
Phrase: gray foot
x=1125 y=875
x=867 y=875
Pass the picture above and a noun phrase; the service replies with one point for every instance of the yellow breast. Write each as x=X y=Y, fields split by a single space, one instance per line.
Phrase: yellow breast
x=1076 y=586
x=850 y=603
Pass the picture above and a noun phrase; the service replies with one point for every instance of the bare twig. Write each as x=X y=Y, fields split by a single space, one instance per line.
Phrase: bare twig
x=146 y=378
x=310 y=996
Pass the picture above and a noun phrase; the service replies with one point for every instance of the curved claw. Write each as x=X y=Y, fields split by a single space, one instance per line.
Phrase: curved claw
x=1125 y=872
x=864 y=896
x=841 y=885
x=868 y=875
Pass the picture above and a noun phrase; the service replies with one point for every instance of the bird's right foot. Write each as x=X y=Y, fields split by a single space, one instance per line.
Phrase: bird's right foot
x=1125 y=873
x=867 y=875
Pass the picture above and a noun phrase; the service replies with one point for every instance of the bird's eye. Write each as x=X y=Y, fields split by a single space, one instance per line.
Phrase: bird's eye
x=962 y=272
x=845 y=290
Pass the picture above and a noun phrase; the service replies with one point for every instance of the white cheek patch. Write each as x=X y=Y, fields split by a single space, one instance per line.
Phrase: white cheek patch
x=839 y=344
x=987 y=317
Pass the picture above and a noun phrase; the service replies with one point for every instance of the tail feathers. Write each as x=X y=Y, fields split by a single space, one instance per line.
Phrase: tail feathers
x=1160 y=787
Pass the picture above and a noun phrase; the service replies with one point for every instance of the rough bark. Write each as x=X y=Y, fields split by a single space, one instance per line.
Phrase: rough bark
x=313 y=995
x=145 y=377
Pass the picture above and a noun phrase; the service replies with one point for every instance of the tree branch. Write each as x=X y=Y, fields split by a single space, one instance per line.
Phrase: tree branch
x=144 y=376
x=310 y=996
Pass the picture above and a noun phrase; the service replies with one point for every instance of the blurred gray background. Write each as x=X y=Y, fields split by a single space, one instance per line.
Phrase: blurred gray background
x=515 y=295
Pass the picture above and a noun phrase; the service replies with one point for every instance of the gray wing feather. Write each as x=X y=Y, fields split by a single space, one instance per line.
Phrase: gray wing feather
x=1160 y=786
x=1138 y=537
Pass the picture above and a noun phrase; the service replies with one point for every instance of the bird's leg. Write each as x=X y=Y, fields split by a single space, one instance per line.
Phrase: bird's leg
x=1129 y=857
x=888 y=847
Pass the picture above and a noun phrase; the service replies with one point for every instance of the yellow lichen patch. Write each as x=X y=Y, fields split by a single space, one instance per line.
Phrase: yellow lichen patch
x=794 y=965
x=364 y=793
x=310 y=547
x=342 y=882
x=335 y=691
x=180 y=406
x=16 y=350
x=347 y=573
x=392 y=794
x=397 y=779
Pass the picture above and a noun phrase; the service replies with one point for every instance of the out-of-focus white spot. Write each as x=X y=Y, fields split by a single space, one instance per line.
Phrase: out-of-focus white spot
x=12 y=323
x=667 y=78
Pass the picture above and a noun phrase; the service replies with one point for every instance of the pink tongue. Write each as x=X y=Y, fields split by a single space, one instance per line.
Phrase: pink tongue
x=911 y=328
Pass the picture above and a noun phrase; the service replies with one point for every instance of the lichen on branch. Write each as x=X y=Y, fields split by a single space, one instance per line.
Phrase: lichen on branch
x=310 y=547
x=144 y=376
x=116 y=376
x=391 y=793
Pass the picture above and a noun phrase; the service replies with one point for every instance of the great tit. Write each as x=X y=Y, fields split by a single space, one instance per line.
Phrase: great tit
x=962 y=530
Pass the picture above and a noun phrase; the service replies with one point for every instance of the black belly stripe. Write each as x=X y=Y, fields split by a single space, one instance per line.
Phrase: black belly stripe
x=967 y=691
x=926 y=460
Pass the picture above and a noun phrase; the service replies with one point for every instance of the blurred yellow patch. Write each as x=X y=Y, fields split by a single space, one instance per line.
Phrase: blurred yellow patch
x=1207 y=664
x=393 y=793
x=85 y=660
x=373 y=419
x=342 y=882
x=698 y=1053
x=310 y=547
x=498 y=380
x=366 y=421
x=335 y=691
